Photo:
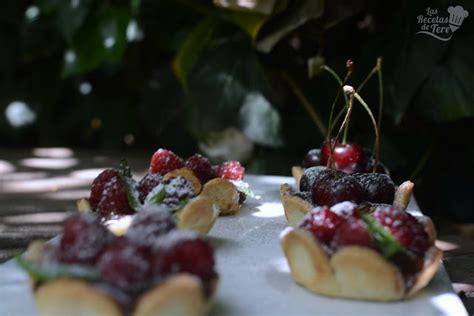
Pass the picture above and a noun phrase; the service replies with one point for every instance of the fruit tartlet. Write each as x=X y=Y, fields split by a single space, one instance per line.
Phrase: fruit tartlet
x=320 y=186
x=154 y=269
x=342 y=251
x=193 y=190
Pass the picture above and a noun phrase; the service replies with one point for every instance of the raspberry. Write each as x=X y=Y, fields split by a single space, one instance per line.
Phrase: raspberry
x=150 y=223
x=322 y=223
x=201 y=167
x=404 y=227
x=376 y=187
x=183 y=251
x=231 y=170
x=83 y=239
x=352 y=232
x=114 y=200
x=126 y=265
x=98 y=185
x=164 y=161
x=148 y=183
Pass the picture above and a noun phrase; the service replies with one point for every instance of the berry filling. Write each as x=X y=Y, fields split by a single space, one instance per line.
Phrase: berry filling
x=395 y=234
x=201 y=167
x=124 y=267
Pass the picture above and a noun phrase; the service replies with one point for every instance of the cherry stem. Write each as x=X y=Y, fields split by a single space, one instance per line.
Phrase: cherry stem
x=330 y=163
x=374 y=123
x=310 y=108
x=341 y=82
x=379 y=74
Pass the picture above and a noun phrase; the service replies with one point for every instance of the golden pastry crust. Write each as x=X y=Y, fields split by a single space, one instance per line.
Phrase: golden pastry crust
x=352 y=272
x=199 y=215
x=74 y=298
x=295 y=208
x=188 y=174
x=223 y=194
x=181 y=294
x=297 y=172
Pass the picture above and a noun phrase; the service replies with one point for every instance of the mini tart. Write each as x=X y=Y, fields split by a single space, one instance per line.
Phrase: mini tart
x=352 y=272
x=221 y=192
x=216 y=197
x=179 y=294
x=296 y=208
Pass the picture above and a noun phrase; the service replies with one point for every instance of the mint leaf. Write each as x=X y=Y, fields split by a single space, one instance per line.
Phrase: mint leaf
x=382 y=238
x=157 y=195
x=244 y=187
x=46 y=272
x=131 y=186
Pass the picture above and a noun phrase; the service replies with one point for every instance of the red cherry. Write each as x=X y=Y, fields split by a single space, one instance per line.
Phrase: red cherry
x=349 y=158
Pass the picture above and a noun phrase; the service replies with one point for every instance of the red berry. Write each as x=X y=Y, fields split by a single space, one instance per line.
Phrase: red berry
x=125 y=264
x=231 y=170
x=98 y=185
x=148 y=183
x=309 y=177
x=404 y=227
x=201 y=167
x=352 y=232
x=183 y=251
x=349 y=158
x=83 y=239
x=114 y=200
x=164 y=161
x=150 y=223
x=322 y=223
x=332 y=186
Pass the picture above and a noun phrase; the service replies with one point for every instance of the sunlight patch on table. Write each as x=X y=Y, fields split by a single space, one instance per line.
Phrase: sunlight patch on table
x=272 y=209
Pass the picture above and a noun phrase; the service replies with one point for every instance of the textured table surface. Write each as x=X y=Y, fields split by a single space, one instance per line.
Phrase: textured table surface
x=38 y=187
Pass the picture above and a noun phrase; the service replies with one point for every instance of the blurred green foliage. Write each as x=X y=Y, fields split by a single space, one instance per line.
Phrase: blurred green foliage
x=153 y=73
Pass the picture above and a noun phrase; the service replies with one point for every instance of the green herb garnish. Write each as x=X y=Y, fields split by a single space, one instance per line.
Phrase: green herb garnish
x=43 y=272
x=244 y=187
x=131 y=186
x=382 y=238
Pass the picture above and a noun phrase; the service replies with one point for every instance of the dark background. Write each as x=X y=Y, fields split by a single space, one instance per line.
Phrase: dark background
x=148 y=74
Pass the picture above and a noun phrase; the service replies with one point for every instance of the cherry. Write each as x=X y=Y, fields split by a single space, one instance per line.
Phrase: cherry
x=377 y=187
x=309 y=176
x=349 y=158
x=311 y=159
x=332 y=186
